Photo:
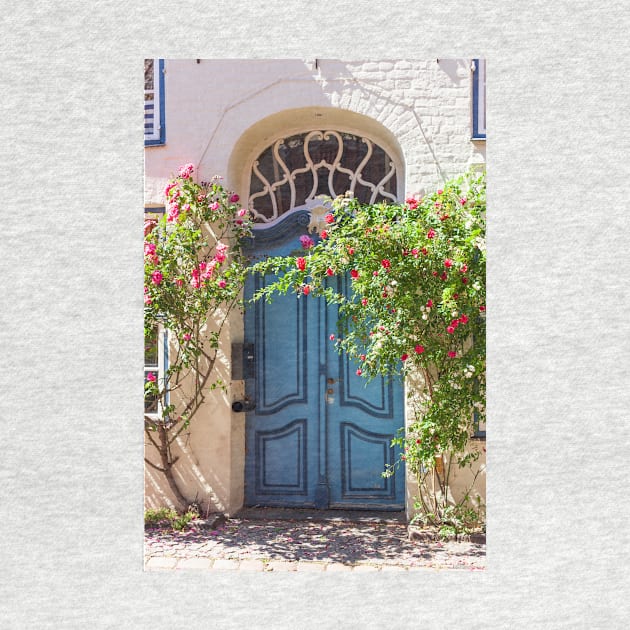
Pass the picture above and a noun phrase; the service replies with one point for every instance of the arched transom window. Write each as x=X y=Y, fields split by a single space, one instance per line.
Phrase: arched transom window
x=297 y=169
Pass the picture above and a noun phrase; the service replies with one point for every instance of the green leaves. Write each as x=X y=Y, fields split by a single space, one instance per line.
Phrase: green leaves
x=194 y=272
x=416 y=282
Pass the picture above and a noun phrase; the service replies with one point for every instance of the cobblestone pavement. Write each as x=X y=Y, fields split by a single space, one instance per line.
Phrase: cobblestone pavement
x=245 y=544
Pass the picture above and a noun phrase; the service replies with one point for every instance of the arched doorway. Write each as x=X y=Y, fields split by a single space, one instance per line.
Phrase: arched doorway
x=318 y=435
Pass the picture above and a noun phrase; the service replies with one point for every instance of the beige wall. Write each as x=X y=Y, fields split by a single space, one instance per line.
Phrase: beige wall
x=221 y=113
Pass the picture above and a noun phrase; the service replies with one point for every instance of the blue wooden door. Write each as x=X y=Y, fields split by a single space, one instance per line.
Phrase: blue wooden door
x=318 y=436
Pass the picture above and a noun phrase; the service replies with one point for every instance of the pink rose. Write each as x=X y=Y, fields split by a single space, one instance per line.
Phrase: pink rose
x=149 y=249
x=173 y=213
x=214 y=206
x=149 y=224
x=306 y=241
x=452 y=354
x=450 y=330
x=186 y=170
x=234 y=198
x=242 y=212
x=364 y=302
x=351 y=250
x=431 y=233
x=186 y=336
x=439 y=192
x=168 y=188
x=332 y=337
x=156 y=277
x=151 y=377
x=359 y=372
x=222 y=283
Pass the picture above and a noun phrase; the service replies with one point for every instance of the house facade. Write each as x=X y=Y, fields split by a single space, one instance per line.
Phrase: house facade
x=295 y=426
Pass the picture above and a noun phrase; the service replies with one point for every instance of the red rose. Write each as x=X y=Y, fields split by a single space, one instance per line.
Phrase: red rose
x=301 y=263
x=419 y=349
x=448 y=263
x=386 y=263
x=306 y=289
x=329 y=218
x=359 y=372
x=324 y=234
x=431 y=233
x=452 y=354
x=404 y=357
x=354 y=273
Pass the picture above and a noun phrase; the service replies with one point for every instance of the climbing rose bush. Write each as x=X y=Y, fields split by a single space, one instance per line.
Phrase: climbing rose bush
x=194 y=272
x=414 y=304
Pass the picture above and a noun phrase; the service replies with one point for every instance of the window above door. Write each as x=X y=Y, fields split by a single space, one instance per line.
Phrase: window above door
x=296 y=169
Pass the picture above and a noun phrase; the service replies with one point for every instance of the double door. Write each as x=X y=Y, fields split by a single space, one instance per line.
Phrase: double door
x=319 y=435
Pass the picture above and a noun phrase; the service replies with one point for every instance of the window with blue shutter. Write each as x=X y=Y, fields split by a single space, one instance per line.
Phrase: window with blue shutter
x=479 y=99
x=154 y=130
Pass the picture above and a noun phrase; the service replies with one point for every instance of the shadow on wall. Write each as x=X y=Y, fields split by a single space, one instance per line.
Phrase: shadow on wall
x=202 y=471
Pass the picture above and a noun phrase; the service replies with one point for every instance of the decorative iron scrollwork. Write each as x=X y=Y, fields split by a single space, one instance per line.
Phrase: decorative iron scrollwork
x=295 y=170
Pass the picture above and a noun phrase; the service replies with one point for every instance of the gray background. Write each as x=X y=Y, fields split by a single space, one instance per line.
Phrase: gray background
x=71 y=314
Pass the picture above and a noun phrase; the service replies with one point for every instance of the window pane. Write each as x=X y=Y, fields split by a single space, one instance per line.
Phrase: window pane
x=151 y=348
x=307 y=161
x=148 y=74
x=150 y=402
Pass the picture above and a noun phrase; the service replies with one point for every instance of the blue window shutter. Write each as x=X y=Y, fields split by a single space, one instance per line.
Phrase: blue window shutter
x=154 y=120
x=479 y=99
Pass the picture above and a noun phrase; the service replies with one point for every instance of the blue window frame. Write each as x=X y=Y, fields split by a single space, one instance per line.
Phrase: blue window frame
x=154 y=122
x=479 y=99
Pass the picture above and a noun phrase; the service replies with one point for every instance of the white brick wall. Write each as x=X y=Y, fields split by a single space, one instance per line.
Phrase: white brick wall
x=210 y=105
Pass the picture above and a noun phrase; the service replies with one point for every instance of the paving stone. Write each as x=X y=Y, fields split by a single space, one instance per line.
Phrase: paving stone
x=336 y=567
x=364 y=568
x=280 y=565
x=305 y=565
x=160 y=562
x=223 y=563
x=251 y=565
x=393 y=567
x=194 y=563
